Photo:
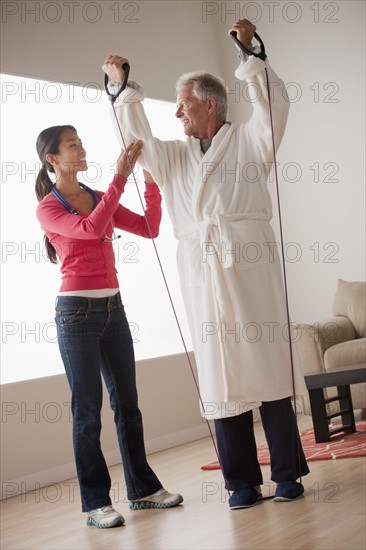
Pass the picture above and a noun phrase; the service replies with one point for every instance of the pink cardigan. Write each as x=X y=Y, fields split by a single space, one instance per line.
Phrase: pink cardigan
x=87 y=261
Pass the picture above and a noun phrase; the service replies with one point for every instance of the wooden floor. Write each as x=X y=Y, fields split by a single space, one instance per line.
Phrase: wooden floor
x=330 y=516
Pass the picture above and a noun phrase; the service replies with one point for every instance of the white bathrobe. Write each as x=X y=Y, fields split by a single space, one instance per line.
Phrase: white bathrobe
x=228 y=260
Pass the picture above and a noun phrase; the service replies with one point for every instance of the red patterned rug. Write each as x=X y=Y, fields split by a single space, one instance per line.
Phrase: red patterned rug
x=341 y=446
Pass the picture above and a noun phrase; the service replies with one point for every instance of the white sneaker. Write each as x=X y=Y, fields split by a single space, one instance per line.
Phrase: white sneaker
x=104 y=517
x=160 y=499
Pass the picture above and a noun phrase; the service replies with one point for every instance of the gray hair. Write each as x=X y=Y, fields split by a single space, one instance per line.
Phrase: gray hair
x=204 y=86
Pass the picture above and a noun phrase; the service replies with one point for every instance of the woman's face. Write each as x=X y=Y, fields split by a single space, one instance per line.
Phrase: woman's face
x=71 y=157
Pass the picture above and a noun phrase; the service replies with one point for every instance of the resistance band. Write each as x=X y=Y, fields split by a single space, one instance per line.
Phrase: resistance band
x=262 y=55
x=113 y=98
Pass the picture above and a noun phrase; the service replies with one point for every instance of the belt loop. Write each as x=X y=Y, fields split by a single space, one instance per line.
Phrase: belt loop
x=115 y=301
x=89 y=304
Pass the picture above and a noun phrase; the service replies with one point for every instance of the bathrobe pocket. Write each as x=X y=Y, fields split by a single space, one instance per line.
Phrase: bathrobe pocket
x=192 y=262
x=252 y=244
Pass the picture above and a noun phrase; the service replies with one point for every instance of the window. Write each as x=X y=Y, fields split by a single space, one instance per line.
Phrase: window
x=29 y=281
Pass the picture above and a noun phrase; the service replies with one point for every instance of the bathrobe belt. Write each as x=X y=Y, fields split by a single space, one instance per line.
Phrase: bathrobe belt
x=204 y=229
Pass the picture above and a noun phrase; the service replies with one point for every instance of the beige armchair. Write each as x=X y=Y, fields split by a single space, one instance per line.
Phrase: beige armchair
x=337 y=341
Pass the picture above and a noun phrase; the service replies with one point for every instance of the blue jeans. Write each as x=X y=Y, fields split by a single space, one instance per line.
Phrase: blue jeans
x=94 y=338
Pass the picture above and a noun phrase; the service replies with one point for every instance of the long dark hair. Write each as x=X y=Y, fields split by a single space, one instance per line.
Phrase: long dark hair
x=48 y=142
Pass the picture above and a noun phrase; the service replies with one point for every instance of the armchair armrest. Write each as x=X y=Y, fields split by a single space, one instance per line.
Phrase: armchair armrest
x=312 y=340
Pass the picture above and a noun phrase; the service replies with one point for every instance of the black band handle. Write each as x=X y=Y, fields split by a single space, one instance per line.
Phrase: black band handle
x=113 y=97
x=262 y=54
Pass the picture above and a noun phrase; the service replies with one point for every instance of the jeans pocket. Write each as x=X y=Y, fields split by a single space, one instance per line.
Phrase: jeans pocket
x=71 y=318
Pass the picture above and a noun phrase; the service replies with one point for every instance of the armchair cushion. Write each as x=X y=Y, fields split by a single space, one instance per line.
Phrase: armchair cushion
x=312 y=341
x=345 y=353
x=350 y=301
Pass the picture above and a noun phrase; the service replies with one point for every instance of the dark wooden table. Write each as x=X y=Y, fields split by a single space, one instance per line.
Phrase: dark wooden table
x=341 y=378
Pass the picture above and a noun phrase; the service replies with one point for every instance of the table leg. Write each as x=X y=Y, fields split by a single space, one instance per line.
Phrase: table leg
x=345 y=403
x=319 y=415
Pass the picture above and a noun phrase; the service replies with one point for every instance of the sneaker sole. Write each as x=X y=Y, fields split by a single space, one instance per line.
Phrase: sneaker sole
x=243 y=506
x=284 y=499
x=145 y=505
x=115 y=523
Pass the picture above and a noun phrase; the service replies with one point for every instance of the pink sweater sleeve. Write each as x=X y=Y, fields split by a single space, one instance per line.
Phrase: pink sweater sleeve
x=135 y=223
x=54 y=217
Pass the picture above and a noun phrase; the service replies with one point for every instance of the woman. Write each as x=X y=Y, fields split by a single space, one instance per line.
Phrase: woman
x=93 y=332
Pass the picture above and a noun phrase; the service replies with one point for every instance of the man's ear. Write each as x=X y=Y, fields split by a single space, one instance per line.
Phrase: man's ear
x=211 y=105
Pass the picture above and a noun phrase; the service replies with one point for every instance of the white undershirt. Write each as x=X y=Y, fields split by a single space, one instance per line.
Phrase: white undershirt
x=98 y=293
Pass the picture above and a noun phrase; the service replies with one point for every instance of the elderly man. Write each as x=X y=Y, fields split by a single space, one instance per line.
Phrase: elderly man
x=215 y=189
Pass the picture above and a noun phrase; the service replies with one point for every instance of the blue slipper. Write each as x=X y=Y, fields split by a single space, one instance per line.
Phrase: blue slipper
x=288 y=490
x=244 y=498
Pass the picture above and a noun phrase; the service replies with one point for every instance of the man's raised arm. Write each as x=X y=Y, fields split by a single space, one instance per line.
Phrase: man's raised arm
x=133 y=122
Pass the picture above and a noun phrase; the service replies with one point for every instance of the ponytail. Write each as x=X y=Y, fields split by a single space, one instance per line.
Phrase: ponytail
x=43 y=183
x=43 y=187
x=48 y=142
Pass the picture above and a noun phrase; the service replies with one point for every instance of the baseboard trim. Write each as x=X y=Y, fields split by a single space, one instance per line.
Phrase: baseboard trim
x=50 y=484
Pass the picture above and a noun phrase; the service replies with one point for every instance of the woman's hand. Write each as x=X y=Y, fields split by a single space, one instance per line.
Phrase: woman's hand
x=126 y=161
x=148 y=177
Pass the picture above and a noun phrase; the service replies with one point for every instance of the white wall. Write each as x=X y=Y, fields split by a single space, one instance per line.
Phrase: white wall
x=161 y=39
x=317 y=46
x=321 y=58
